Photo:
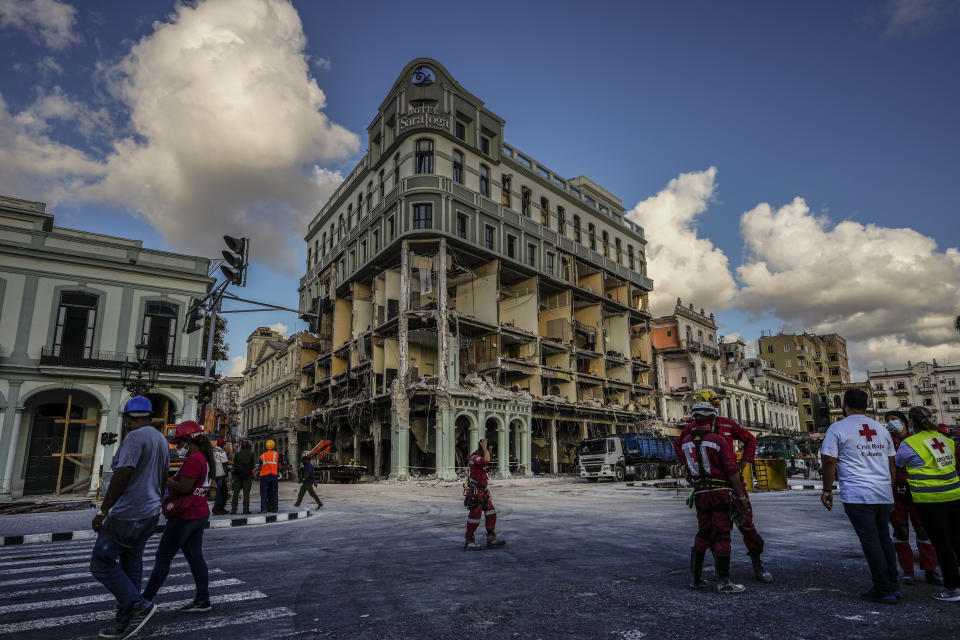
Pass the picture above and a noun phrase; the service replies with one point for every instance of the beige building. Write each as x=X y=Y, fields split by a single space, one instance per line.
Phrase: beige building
x=821 y=367
x=687 y=359
x=929 y=384
x=778 y=412
x=270 y=401
x=460 y=288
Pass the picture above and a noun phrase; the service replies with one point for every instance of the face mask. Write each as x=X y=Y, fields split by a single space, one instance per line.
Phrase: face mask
x=182 y=452
x=895 y=426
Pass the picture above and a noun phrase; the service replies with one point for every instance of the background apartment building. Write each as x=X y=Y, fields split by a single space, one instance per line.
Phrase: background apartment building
x=687 y=360
x=75 y=306
x=821 y=366
x=777 y=411
x=927 y=384
x=460 y=289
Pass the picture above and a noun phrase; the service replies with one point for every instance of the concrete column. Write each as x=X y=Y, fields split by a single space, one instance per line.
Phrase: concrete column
x=443 y=335
x=503 y=450
x=584 y=433
x=446 y=442
x=526 y=442
x=6 y=491
x=475 y=431
x=377 y=431
x=554 y=448
x=400 y=415
x=104 y=427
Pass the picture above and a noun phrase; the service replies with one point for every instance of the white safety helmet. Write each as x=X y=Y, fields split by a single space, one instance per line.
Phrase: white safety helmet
x=704 y=410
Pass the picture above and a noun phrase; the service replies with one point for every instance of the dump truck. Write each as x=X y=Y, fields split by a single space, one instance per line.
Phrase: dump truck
x=786 y=449
x=628 y=455
x=328 y=469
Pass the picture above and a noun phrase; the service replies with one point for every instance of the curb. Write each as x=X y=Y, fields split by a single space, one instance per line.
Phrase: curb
x=802 y=487
x=87 y=534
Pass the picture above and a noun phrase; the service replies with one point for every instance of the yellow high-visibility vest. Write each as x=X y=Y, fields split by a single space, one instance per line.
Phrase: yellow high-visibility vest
x=937 y=479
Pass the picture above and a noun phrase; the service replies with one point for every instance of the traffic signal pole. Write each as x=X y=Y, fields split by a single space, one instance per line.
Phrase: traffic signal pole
x=211 y=335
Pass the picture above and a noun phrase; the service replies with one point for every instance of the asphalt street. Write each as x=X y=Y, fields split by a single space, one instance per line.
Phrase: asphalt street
x=581 y=561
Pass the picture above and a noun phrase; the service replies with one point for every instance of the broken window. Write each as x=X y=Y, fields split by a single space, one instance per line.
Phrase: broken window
x=525 y=201
x=606 y=244
x=422 y=216
x=576 y=228
x=592 y=233
x=619 y=250
x=424 y=156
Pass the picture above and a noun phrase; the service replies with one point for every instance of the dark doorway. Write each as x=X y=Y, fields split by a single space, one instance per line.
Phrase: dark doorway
x=46 y=441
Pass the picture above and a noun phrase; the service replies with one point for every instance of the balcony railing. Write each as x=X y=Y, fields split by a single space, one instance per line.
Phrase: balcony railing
x=703 y=347
x=59 y=357
x=879 y=393
x=901 y=392
x=926 y=389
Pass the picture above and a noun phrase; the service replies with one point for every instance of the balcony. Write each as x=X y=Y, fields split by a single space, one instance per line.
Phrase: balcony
x=926 y=389
x=702 y=347
x=901 y=392
x=56 y=357
x=879 y=393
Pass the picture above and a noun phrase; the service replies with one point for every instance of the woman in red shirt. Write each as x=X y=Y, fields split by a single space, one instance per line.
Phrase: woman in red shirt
x=187 y=513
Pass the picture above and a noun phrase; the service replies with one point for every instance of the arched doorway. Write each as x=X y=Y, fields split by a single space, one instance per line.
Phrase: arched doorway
x=463 y=446
x=514 y=439
x=491 y=433
x=63 y=429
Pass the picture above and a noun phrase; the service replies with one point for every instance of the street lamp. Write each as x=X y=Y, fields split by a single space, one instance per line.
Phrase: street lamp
x=139 y=386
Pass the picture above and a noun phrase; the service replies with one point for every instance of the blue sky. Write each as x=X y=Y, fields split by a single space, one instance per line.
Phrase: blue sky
x=849 y=106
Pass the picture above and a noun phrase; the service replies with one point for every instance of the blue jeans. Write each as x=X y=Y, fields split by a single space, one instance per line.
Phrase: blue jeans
x=269 y=493
x=185 y=535
x=122 y=540
x=872 y=524
x=220 y=503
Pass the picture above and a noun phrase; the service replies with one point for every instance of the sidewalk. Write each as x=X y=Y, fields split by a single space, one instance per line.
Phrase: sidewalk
x=23 y=528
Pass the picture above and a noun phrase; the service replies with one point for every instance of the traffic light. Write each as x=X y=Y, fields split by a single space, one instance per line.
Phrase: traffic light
x=206 y=392
x=195 y=315
x=235 y=260
x=107 y=438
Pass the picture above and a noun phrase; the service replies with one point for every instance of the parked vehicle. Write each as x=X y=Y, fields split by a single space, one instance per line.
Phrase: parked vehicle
x=785 y=448
x=328 y=467
x=628 y=455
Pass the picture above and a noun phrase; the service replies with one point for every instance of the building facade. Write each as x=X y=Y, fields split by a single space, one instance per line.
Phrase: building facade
x=459 y=288
x=74 y=306
x=777 y=413
x=225 y=416
x=927 y=384
x=687 y=359
x=821 y=366
x=270 y=402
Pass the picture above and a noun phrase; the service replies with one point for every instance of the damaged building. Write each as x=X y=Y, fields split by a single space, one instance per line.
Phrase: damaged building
x=459 y=289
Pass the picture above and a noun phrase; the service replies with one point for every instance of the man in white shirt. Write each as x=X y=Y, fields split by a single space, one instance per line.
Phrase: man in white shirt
x=865 y=453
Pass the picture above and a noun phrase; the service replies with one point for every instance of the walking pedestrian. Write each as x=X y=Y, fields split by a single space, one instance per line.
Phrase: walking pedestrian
x=863 y=450
x=269 y=470
x=241 y=476
x=307 y=480
x=128 y=516
x=712 y=467
x=220 y=477
x=931 y=464
x=730 y=430
x=477 y=500
x=185 y=508
x=905 y=513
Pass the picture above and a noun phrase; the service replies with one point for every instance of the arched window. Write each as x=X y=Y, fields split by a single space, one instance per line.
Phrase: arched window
x=485 y=180
x=619 y=250
x=576 y=228
x=525 y=201
x=505 y=190
x=592 y=233
x=544 y=212
x=606 y=244
x=630 y=262
x=457 y=166
x=424 y=156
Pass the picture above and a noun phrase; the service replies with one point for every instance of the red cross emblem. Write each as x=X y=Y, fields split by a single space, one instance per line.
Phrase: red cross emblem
x=939 y=446
x=868 y=433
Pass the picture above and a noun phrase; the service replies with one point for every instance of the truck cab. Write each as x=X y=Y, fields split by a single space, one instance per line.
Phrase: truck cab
x=603 y=458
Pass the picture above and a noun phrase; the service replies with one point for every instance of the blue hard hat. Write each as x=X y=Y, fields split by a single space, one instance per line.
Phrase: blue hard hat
x=138 y=406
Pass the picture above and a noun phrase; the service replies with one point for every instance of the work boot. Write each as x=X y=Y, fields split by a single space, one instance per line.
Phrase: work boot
x=471 y=545
x=319 y=504
x=696 y=569
x=933 y=577
x=492 y=541
x=759 y=571
x=723 y=576
x=908 y=579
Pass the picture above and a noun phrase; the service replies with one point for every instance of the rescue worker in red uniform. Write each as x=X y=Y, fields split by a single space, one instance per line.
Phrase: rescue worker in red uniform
x=477 y=499
x=905 y=513
x=717 y=494
x=730 y=430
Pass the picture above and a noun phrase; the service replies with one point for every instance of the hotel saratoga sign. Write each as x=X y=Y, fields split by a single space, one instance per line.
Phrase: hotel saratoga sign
x=424 y=116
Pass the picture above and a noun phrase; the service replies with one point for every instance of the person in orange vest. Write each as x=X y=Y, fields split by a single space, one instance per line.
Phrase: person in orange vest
x=269 y=468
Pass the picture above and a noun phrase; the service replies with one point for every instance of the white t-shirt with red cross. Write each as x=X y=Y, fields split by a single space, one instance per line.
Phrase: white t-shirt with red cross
x=863 y=448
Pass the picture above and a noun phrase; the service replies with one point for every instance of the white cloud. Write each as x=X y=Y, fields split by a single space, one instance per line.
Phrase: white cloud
x=681 y=263
x=889 y=291
x=323 y=64
x=48 y=66
x=281 y=328
x=916 y=17
x=237 y=365
x=228 y=130
x=49 y=20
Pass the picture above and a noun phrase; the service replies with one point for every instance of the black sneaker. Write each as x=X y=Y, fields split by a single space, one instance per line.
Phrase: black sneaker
x=113 y=631
x=875 y=595
x=197 y=606
x=138 y=619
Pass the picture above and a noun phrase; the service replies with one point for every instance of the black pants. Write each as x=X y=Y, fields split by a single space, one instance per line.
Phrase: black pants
x=942 y=521
x=872 y=524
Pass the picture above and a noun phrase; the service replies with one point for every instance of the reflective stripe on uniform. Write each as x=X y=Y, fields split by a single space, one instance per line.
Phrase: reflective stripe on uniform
x=489 y=513
x=943 y=476
x=472 y=521
x=936 y=489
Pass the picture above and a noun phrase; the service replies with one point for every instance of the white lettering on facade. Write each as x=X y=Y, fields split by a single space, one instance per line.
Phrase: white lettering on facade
x=429 y=117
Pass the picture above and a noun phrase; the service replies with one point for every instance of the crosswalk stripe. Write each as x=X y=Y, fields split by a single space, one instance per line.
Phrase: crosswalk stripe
x=107 y=614
x=57 y=557
x=204 y=623
x=105 y=597
x=82 y=585
x=70 y=576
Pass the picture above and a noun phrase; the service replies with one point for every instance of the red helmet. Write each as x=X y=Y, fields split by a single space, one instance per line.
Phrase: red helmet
x=187 y=429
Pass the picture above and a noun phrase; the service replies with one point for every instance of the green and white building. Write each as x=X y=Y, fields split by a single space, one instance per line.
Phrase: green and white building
x=73 y=306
